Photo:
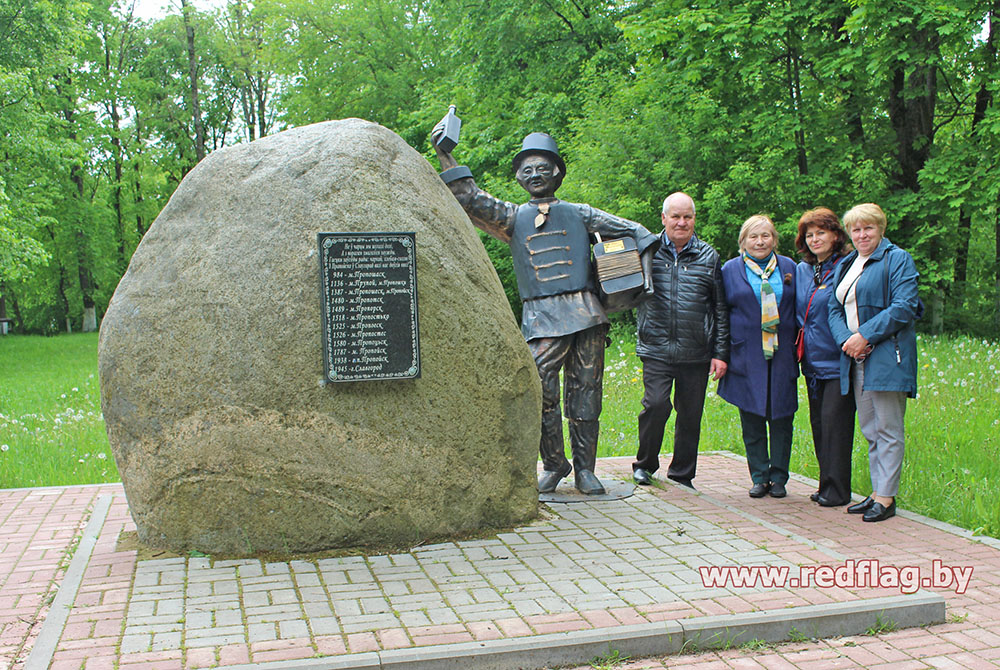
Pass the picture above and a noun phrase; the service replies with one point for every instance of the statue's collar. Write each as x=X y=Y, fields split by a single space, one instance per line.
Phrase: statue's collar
x=538 y=201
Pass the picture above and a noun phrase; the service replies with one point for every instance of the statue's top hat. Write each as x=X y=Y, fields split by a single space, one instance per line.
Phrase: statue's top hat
x=539 y=143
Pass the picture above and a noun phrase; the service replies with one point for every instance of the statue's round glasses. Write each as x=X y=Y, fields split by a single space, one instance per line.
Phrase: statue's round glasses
x=531 y=170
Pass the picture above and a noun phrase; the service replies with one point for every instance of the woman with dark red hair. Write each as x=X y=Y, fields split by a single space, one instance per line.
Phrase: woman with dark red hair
x=822 y=244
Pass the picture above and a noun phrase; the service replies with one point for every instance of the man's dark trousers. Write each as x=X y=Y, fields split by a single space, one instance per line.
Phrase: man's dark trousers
x=691 y=381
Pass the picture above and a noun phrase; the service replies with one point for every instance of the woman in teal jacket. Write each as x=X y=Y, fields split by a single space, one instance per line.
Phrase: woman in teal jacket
x=873 y=310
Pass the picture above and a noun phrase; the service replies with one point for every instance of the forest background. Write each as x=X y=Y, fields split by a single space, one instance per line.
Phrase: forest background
x=759 y=106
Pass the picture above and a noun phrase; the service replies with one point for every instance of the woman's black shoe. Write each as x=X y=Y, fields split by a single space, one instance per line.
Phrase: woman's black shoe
x=814 y=496
x=823 y=502
x=880 y=512
x=861 y=507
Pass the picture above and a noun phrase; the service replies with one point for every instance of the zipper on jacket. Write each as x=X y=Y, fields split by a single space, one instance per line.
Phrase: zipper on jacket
x=895 y=344
x=673 y=303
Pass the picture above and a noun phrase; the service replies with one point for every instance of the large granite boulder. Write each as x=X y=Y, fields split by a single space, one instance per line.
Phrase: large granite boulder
x=228 y=439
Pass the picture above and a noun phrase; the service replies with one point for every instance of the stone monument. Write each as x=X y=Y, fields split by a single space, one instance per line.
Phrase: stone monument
x=228 y=436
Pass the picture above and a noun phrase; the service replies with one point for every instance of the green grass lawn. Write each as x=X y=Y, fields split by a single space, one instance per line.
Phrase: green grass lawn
x=951 y=470
x=52 y=432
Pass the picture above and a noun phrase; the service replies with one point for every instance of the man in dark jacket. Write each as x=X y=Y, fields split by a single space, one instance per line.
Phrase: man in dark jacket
x=683 y=337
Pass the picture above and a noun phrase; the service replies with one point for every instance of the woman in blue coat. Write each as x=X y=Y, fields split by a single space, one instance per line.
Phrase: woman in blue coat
x=822 y=243
x=873 y=313
x=760 y=380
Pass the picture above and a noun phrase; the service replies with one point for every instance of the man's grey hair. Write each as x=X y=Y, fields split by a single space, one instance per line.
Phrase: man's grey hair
x=666 y=201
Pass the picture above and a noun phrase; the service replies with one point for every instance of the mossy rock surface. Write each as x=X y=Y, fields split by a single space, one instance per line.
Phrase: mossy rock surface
x=225 y=434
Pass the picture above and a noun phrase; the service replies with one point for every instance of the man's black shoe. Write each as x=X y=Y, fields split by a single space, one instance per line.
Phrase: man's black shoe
x=549 y=480
x=861 y=507
x=880 y=512
x=759 y=490
x=641 y=477
x=588 y=484
x=778 y=491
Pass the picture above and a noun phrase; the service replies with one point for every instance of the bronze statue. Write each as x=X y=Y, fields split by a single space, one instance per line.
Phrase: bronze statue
x=563 y=320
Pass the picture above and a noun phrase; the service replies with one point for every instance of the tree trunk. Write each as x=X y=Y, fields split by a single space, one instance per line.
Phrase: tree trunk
x=852 y=104
x=911 y=101
x=996 y=275
x=140 y=223
x=795 y=100
x=984 y=98
x=3 y=308
x=18 y=316
x=89 y=319
x=262 y=104
x=249 y=113
x=116 y=149
x=82 y=247
x=82 y=257
x=63 y=296
x=937 y=310
x=116 y=152
x=199 y=127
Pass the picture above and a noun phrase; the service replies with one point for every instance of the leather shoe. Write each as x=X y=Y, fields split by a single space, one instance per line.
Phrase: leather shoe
x=588 y=484
x=778 y=491
x=640 y=476
x=814 y=496
x=861 y=507
x=549 y=480
x=759 y=490
x=823 y=502
x=880 y=512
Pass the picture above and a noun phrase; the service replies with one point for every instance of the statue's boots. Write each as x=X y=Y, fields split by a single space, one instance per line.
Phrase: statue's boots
x=583 y=440
x=554 y=463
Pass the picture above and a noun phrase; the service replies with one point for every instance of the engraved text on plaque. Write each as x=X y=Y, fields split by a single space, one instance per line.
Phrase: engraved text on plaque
x=369 y=292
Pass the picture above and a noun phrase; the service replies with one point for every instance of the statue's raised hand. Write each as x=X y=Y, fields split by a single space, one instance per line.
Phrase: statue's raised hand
x=444 y=157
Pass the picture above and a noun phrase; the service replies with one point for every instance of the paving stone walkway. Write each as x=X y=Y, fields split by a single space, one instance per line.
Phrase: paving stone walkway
x=581 y=568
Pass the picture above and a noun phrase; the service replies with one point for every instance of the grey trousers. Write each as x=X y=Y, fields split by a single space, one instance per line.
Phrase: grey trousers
x=880 y=416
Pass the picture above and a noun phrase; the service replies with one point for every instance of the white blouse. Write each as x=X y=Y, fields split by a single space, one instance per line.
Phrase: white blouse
x=847 y=292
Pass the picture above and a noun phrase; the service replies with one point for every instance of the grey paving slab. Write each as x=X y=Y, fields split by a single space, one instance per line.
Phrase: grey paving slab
x=640 y=553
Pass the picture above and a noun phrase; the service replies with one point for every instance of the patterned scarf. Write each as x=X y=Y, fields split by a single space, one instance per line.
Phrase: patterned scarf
x=768 y=304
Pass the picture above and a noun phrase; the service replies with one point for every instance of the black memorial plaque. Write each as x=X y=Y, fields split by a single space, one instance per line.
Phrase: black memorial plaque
x=369 y=286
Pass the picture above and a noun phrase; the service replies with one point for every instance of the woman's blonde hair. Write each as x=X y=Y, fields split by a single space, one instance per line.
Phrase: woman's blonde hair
x=754 y=222
x=868 y=212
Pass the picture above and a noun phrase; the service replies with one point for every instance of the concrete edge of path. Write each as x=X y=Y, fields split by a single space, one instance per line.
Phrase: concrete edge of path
x=52 y=628
x=642 y=640
x=906 y=514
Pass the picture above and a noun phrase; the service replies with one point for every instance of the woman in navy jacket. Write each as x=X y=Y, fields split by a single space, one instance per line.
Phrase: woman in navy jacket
x=822 y=243
x=760 y=380
x=873 y=312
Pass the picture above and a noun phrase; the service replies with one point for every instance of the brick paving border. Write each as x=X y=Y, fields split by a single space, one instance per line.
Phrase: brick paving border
x=793 y=529
x=55 y=621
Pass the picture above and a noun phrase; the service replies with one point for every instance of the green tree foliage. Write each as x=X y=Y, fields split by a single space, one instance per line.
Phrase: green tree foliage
x=759 y=106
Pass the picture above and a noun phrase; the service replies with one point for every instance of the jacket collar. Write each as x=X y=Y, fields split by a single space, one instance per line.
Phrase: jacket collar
x=881 y=249
x=690 y=246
